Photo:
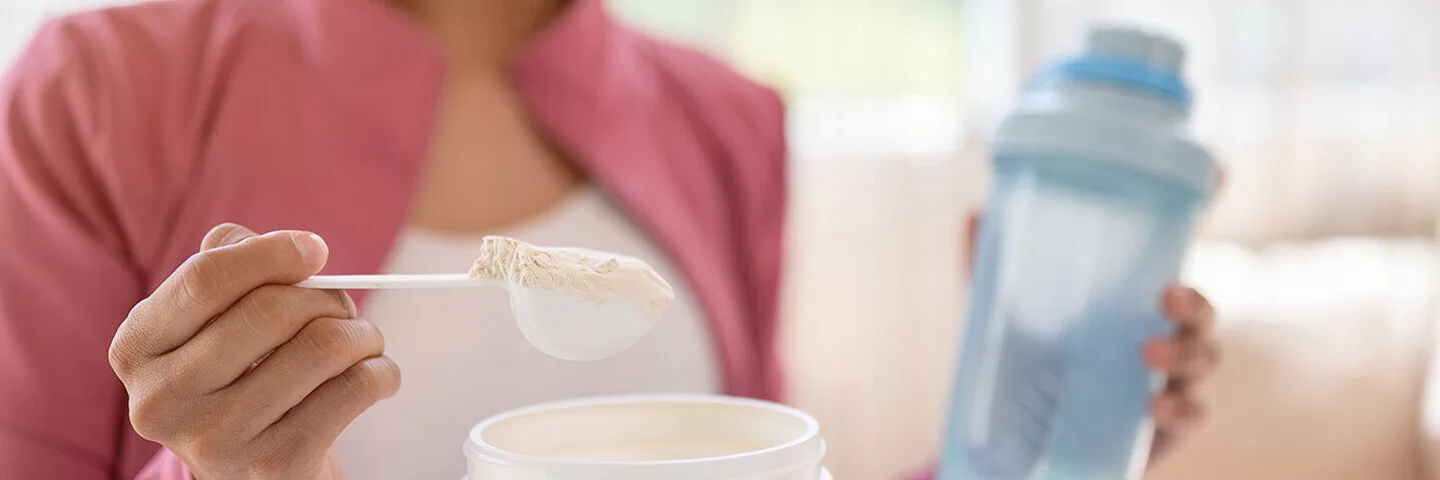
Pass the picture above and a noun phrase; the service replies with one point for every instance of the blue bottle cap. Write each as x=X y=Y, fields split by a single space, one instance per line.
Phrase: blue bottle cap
x=1126 y=57
x=1137 y=121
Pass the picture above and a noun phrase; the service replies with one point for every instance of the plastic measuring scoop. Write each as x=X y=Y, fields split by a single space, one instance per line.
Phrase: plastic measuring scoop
x=563 y=324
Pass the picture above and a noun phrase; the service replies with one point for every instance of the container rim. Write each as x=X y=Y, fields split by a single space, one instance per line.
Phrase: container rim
x=477 y=448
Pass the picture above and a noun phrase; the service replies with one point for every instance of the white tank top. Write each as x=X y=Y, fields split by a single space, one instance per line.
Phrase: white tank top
x=463 y=359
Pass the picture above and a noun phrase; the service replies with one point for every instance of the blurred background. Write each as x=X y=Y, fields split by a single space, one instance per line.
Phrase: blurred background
x=1320 y=255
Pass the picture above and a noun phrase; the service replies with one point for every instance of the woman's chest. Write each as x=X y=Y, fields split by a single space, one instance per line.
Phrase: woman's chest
x=488 y=165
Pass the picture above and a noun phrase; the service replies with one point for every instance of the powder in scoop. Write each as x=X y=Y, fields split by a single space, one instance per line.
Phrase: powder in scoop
x=594 y=276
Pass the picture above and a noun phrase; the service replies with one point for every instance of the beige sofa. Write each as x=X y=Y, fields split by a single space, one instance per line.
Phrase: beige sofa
x=1339 y=399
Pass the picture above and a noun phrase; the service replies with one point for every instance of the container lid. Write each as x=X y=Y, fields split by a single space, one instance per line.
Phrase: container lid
x=1136 y=120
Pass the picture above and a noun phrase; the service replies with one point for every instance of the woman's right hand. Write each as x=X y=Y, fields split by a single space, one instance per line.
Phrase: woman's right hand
x=242 y=375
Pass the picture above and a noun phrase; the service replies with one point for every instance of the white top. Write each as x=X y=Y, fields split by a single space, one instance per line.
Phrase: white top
x=462 y=358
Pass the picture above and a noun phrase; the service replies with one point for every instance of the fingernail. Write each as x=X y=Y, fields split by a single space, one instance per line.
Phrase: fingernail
x=312 y=249
x=1186 y=301
x=235 y=235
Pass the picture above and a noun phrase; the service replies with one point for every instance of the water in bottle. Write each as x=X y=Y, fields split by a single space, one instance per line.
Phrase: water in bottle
x=1097 y=185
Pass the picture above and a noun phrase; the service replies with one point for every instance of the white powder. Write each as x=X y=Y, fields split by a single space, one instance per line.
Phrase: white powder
x=594 y=276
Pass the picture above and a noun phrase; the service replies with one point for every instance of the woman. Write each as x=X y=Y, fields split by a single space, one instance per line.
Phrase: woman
x=401 y=133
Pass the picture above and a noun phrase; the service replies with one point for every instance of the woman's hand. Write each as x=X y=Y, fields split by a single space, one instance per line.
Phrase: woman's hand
x=1187 y=357
x=242 y=375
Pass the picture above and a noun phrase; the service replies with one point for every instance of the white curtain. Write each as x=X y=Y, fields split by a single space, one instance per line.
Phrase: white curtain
x=1327 y=112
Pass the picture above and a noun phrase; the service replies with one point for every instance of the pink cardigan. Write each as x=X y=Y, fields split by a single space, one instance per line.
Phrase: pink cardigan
x=126 y=133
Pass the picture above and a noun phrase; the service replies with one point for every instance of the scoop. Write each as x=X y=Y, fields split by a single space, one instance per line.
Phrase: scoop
x=572 y=304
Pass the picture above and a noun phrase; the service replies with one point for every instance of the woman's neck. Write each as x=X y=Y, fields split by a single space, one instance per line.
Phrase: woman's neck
x=481 y=35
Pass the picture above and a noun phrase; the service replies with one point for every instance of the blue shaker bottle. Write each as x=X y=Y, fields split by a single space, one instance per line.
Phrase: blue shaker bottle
x=1097 y=186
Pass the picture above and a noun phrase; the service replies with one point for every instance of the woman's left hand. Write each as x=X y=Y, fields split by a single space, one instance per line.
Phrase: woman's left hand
x=1186 y=357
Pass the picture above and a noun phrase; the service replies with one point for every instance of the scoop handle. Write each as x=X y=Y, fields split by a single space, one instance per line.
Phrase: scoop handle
x=375 y=282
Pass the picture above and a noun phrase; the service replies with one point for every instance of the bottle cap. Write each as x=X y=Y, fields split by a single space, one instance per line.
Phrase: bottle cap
x=1155 y=51
x=1127 y=57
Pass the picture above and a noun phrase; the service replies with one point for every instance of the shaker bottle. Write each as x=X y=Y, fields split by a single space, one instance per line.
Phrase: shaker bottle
x=1096 y=189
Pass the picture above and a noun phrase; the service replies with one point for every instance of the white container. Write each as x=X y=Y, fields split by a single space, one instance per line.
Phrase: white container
x=648 y=437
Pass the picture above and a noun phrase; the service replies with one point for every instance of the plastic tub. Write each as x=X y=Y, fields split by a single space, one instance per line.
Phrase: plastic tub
x=648 y=437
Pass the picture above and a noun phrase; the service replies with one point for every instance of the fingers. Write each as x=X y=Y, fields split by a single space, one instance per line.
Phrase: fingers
x=1189 y=310
x=212 y=280
x=1187 y=358
x=225 y=234
x=1190 y=353
x=325 y=413
x=259 y=323
x=323 y=349
x=1175 y=413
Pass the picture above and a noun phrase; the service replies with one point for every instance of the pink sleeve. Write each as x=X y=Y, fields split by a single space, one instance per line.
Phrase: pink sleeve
x=769 y=229
x=67 y=278
x=765 y=213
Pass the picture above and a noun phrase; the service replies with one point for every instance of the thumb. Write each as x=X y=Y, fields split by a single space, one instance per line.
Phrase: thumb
x=225 y=234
